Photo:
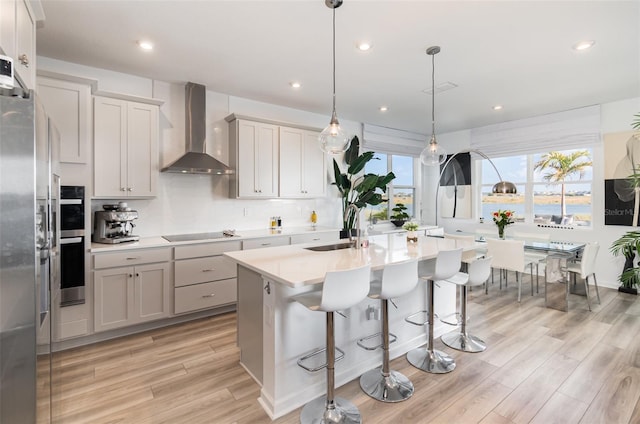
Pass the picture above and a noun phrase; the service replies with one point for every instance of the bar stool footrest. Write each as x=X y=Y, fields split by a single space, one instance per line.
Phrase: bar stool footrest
x=310 y=362
x=367 y=346
x=454 y=318
x=420 y=318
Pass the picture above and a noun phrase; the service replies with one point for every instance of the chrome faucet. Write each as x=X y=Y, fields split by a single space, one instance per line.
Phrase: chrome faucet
x=344 y=218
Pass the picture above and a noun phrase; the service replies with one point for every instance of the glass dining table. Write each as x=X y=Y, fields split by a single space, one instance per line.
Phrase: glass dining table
x=556 y=283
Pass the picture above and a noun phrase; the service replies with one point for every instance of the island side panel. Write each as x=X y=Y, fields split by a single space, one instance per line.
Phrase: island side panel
x=250 y=289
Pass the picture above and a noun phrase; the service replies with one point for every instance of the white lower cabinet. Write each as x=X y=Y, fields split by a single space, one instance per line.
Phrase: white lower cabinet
x=130 y=295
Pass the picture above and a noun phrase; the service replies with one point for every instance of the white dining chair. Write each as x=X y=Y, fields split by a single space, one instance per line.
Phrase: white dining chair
x=537 y=257
x=508 y=255
x=586 y=267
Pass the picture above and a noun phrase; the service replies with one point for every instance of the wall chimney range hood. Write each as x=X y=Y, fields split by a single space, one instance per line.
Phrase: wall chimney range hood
x=196 y=160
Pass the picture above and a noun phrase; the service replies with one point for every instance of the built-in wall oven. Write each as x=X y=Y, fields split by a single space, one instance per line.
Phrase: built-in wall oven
x=72 y=248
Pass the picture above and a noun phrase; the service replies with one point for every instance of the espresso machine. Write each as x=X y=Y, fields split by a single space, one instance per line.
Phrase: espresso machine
x=114 y=224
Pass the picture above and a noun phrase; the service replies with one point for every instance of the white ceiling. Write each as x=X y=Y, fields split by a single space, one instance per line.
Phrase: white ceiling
x=514 y=53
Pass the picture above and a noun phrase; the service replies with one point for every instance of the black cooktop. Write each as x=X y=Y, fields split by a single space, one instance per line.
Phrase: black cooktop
x=198 y=236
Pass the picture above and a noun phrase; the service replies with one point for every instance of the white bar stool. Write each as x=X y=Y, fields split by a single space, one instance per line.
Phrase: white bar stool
x=381 y=383
x=341 y=290
x=479 y=271
x=428 y=359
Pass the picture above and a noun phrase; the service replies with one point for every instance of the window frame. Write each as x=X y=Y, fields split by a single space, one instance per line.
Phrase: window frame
x=529 y=184
x=391 y=187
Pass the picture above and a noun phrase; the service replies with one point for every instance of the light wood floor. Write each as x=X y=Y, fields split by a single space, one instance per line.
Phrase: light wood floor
x=541 y=366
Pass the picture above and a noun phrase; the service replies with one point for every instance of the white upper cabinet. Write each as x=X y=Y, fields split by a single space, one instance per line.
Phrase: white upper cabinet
x=17 y=38
x=302 y=164
x=125 y=148
x=254 y=153
x=69 y=105
x=274 y=161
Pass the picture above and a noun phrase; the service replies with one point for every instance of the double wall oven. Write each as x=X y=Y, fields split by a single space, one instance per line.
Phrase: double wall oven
x=72 y=248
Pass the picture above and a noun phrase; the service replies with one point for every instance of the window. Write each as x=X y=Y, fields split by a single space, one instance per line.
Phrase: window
x=547 y=183
x=401 y=190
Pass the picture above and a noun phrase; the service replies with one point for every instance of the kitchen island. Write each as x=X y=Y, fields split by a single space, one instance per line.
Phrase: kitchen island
x=274 y=331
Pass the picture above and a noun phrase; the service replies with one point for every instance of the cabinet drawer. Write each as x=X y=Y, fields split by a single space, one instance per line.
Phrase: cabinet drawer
x=130 y=257
x=265 y=242
x=315 y=237
x=205 y=295
x=206 y=249
x=202 y=270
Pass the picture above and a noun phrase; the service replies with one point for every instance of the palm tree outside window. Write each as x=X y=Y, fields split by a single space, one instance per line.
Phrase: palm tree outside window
x=554 y=188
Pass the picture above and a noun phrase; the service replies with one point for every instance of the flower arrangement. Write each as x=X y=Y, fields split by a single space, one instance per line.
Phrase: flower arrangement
x=410 y=226
x=502 y=219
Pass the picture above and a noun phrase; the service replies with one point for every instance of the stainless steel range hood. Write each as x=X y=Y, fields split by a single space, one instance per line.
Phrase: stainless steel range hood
x=196 y=160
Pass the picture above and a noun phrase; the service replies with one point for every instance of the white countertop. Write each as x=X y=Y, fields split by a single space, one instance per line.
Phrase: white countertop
x=296 y=266
x=158 y=241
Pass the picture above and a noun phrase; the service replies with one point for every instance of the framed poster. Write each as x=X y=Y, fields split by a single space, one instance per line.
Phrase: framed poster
x=455 y=187
x=621 y=190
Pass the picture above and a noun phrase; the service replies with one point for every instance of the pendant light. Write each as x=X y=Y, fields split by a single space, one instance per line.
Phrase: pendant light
x=333 y=139
x=433 y=154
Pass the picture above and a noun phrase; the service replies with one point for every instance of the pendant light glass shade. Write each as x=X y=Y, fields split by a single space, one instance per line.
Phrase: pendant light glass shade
x=333 y=140
x=433 y=154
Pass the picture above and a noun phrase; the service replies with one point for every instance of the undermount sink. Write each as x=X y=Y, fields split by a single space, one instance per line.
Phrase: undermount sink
x=328 y=247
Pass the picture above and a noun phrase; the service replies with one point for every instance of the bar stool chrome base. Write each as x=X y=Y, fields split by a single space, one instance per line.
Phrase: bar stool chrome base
x=392 y=388
x=463 y=342
x=318 y=412
x=431 y=360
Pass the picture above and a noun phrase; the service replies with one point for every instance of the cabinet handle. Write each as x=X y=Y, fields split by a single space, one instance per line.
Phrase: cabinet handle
x=137 y=274
x=208 y=270
x=24 y=60
x=122 y=189
x=133 y=258
x=130 y=189
x=265 y=244
x=130 y=275
x=316 y=239
x=208 y=295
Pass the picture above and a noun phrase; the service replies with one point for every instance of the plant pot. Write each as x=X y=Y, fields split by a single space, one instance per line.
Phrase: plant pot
x=412 y=236
x=344 y=234
x=630 y=290
x=398 y=222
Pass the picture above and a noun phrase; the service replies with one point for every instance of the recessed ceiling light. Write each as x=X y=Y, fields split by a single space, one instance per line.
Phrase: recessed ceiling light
x=145 y=45
x=497 y=107
x=295 y=84
x=583 y=45
x=364 y=46
x=383 y=108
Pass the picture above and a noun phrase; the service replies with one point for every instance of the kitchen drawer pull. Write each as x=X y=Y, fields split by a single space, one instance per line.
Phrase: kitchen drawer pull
x=316 y=239
x=209 y=270
x=208 y=295
x=265 y=244
x=133 y=258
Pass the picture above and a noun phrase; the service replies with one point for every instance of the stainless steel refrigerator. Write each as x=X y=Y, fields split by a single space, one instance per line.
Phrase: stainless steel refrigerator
x=29 y=258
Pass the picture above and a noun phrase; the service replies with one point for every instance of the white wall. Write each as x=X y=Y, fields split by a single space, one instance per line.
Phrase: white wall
x=615 y=117
x=200 y=203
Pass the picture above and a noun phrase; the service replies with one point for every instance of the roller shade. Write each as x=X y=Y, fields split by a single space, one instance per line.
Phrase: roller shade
x=571 y=129
x=392 y=141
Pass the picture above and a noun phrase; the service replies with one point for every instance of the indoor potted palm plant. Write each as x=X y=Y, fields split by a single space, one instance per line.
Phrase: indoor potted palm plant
x=356 y=187
x=628 y=245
